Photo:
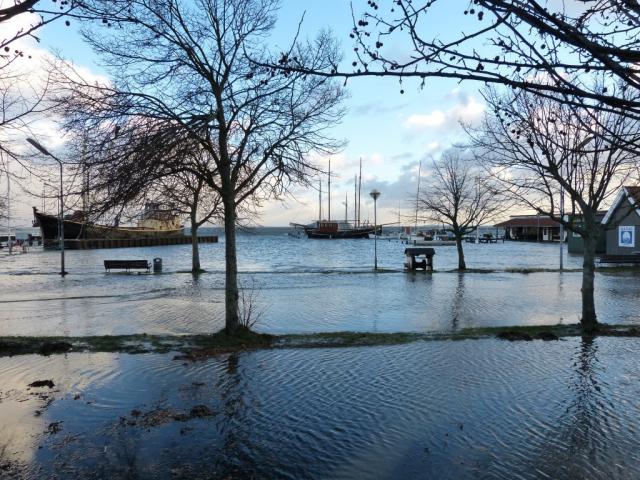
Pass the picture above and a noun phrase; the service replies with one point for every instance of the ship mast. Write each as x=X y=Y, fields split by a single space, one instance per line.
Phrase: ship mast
x=346 y=207
x=355 y=200
x=329 y=193
x=359 y=190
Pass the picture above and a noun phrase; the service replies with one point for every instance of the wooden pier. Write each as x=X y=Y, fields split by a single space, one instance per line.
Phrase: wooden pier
x=89 y=244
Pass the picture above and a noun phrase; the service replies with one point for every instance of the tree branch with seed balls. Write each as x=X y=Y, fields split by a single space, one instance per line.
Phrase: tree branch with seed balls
x=550 y=49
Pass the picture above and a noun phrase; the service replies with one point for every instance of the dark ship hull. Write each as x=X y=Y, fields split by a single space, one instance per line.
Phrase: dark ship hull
x=340 y=234
x=329 y=230
x=74 y=230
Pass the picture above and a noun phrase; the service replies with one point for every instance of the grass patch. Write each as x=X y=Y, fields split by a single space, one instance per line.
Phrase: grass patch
x=194 y=347
x=347 y=339
x=533 y=331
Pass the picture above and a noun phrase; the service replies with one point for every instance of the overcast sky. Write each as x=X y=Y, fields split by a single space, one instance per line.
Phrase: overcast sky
x=391 y=132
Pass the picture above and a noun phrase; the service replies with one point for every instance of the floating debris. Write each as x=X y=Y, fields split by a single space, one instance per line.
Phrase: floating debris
x=42 y=383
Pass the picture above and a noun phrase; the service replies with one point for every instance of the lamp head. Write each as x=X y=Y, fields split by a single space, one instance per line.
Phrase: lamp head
x=38 y=146
x=374 y=194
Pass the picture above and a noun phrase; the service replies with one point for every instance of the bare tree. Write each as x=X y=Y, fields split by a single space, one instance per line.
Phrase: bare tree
x=543 y=150
x=191 y=68
x=189 y=194
x=459 y=194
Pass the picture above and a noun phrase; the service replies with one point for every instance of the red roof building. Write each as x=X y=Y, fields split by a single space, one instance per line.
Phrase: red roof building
x=540 y=228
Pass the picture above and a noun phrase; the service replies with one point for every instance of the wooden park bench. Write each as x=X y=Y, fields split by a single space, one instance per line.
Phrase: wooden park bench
x=127 y=265
x=633 y=258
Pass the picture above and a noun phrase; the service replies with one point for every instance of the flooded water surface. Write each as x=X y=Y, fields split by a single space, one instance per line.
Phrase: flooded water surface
x=303 y=286
x=430 y=409
x=440 y=409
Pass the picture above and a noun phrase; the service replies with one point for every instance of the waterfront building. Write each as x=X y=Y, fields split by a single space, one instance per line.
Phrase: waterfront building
x=532 y=228
x=622 y=223
x=575 y=243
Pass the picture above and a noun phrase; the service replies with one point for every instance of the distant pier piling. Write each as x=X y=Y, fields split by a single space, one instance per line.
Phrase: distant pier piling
x=90 y=244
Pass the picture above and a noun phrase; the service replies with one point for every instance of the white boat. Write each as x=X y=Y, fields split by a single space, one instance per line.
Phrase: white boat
x=436 y=241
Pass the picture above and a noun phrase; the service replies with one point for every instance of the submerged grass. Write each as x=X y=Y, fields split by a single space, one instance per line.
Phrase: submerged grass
x=193 y=347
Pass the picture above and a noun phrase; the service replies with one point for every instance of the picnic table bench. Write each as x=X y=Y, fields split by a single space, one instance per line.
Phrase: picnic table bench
x=127 y=265
x=633 y=258
x=419 y=257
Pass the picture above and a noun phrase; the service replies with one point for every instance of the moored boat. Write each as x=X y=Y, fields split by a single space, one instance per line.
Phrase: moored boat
x=154 y=223
x=333 y=230
x=436 y=240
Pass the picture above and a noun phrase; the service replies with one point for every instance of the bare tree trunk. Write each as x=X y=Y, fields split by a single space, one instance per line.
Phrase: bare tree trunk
x=231 y=295
x=589 y=320
x=461 y=263
x=195 y=246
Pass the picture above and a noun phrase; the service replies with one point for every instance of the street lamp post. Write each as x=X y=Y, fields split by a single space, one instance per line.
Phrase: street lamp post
x=561 y=227
x=562 y=219
x=375 y=194
x=44 y=151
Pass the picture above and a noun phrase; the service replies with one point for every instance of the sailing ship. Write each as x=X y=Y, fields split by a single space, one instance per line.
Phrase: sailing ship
x=155 y=222
x=333 y=229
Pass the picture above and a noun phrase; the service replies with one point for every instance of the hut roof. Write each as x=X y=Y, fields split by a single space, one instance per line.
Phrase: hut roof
x=528 y=221
x=631 y=194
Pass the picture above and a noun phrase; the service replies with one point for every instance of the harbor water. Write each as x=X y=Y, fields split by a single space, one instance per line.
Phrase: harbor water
x=449 y=410
x=443 y=409
x=304 y=285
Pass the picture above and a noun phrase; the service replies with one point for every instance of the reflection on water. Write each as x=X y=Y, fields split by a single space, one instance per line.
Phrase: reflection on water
x=465 y=409
x=387 y=302
x=304 y=286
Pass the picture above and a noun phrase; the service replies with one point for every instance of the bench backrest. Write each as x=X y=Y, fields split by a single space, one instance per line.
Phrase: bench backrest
x=126 y=264
x=429 y=252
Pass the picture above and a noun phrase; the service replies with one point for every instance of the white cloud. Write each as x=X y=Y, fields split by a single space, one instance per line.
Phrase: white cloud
x=432 y=147
x=437 y=118
x=467 y=109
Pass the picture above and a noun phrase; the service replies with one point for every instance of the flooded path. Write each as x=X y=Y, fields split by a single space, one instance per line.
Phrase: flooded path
x=464 y=409
x=303 y=286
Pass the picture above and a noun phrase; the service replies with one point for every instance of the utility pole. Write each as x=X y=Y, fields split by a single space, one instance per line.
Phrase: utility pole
x=320 y=202
x=9 y=241
x=417 y=197
x=561 y=226
x=85 y=180
x=478 y=204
